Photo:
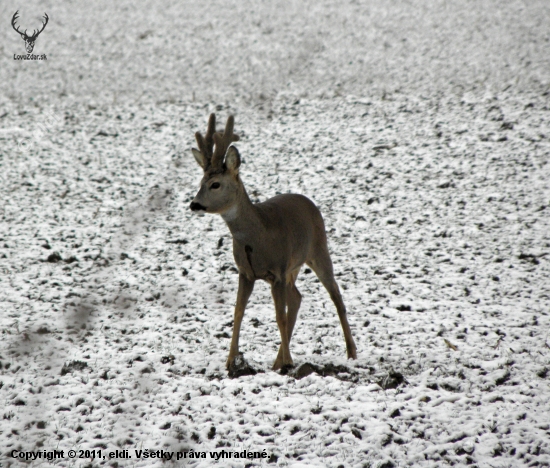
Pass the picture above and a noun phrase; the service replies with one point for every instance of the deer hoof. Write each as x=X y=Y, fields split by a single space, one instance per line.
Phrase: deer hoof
x=286 y=369
x=234 y=360
x=239 y=367
x=278 y=364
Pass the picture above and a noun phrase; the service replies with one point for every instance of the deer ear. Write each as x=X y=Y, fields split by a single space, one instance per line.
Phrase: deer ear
x=232 y=159
x=199 y=157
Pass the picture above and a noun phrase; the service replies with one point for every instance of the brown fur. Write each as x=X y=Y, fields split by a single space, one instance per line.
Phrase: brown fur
x=271 y=241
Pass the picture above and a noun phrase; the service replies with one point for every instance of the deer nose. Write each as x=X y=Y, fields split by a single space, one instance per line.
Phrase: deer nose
x=197 y=207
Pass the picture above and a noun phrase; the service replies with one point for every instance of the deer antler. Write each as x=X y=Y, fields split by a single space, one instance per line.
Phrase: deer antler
x=206 y=143
x=214 y=157
x=36 y=34
x=24 y=34
x=222 y=141
x=13 y=20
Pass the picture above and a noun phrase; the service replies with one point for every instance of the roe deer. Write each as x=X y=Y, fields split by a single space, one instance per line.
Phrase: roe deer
x=271 y=240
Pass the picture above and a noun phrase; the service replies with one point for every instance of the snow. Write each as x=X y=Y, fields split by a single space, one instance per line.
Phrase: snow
x=421 y=132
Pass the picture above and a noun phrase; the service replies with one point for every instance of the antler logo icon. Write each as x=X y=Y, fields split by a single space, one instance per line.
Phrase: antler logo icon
x=29 y=40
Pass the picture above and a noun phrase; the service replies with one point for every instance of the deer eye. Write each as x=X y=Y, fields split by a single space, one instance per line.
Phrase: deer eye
x=215 y=185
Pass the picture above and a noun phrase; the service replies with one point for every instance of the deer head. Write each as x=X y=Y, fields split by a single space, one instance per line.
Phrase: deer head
x=220 y=185
x=29 y=40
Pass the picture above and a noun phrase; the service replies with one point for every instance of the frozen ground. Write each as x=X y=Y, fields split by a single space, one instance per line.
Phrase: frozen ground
x=423 y=134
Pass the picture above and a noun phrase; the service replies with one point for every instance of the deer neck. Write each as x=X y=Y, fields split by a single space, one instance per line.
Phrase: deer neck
x=242 y=218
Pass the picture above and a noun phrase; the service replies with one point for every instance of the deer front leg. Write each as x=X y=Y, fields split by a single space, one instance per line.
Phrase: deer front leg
x=293 y=301
x=278 y=291
x=245 y=290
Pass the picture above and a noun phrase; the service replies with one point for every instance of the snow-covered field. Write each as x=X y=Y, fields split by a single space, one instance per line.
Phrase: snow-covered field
x=421 y=132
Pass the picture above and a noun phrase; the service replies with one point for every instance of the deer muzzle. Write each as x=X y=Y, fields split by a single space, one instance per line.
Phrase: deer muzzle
x=197 y=207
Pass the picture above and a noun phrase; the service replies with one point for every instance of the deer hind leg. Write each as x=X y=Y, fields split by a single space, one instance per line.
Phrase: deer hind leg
x=278 y=291
x=293 y=301
x=322 y=266
x=246 y=287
